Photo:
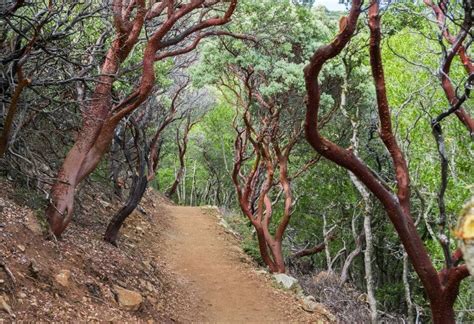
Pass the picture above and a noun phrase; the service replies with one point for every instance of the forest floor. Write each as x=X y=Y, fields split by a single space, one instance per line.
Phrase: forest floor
x=178 y=263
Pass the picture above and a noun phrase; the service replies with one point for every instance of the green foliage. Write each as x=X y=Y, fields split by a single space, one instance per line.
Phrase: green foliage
x=404 y=14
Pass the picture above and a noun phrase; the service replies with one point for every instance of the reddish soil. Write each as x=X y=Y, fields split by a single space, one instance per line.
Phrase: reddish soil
x=224 y=279
x=185 y=265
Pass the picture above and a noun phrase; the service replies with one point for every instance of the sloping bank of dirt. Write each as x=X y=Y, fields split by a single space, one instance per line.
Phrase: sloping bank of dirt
x=180 y=263
x=78 y=277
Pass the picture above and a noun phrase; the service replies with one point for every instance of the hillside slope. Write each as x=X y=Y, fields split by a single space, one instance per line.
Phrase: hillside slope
x=176 y=264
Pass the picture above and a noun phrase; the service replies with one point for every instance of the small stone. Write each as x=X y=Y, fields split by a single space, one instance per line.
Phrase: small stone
x=31 y=222
x=147 y=265
x=150 y=287
x=5 y=307
x=63 y=277
x=21 y=247
x=152 y=300
x=128 y=299
x=224 y=224
x=22 y=295
x=286 y=281
x=34 y=268
x=309 y=304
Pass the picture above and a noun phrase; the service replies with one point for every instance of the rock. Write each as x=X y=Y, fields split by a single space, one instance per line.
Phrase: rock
x=224 y=224
x=147 y=265
x=22 y=295
x=150 y=287
x=309 y=304
x=32 y=224
x=63 y=277
x=286 y=281
x=321 y=309
x=237 y=249
x=21 y=247
x=128 y=299
x=5 y=307
x=34 y=269
x=152 y=300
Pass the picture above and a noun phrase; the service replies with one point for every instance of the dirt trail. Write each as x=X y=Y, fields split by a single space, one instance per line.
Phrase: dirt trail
x=214 y=268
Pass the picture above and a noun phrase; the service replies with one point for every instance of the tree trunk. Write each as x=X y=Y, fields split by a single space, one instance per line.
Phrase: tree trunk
x=442 y=312
x=406 y=284
x=191 y=199
x=369 y=277
x=182 y=165
x=73 y=170
x=327 y=250
x=137 y=190
x=8 y=124
x=100 y=119
x=277 y=253
x=136 y=194
x=263 y=247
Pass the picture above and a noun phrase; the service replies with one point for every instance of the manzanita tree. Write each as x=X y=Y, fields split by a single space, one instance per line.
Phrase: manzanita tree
x=171 y=28
x=459 y=47
x=30 y=34
x=263 y=82
x=266 y=141
x=441 y=287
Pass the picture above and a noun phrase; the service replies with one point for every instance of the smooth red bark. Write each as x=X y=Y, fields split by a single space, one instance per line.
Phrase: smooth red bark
x=101 y=118
x=441 y=293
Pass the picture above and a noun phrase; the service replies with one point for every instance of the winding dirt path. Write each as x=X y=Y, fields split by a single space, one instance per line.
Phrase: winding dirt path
x=225 y=283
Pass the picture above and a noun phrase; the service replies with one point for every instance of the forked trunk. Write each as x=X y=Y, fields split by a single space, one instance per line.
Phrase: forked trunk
x=263 y=247
x=278 y=260
x=171 y=192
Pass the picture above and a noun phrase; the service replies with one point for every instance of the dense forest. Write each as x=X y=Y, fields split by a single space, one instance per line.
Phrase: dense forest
x=336 y=142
